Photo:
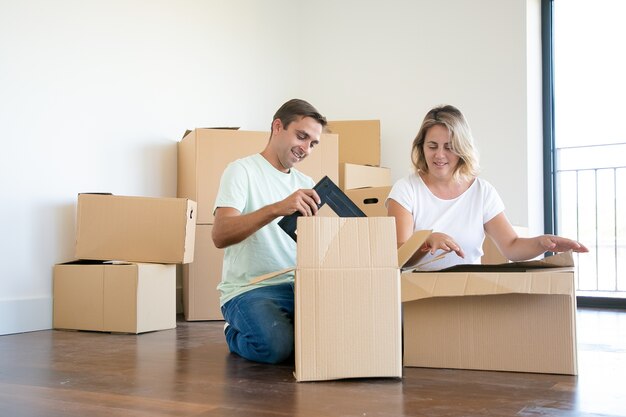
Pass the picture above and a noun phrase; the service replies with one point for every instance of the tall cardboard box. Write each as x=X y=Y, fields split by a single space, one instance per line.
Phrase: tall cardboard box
x=359 y=141
x=353 y=176
x=201 y=299
x=370 y=200
x=203 y=154
x=118 y=297
x=136 y=229
x=510 y=317
x=347 y=299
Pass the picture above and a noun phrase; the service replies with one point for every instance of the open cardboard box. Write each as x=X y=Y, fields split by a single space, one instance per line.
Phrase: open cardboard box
x=515 y=316
x=508 y=317
x=347 y=299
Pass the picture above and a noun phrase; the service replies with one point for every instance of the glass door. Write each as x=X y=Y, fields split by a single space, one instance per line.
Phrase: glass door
x=589 y=47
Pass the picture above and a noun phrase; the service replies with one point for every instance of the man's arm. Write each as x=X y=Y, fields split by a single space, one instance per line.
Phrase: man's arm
x=230 y=226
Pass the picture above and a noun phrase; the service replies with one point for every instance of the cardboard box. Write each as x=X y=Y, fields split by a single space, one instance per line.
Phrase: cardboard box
x=353 y=176
x=135 y=229
x=347 y=299
x=120 y=297
x=203 y=154
x=510 y=317
x=371 y=200
x=359 y=141
x=201 y=299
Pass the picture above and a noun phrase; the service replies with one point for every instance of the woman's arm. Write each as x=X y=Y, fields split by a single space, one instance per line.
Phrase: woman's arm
x=518 y=248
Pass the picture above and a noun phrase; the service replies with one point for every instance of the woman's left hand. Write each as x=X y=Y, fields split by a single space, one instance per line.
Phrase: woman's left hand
x=560 y=244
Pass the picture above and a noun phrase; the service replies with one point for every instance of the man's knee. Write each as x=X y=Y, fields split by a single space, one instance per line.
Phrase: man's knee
x=279 y=350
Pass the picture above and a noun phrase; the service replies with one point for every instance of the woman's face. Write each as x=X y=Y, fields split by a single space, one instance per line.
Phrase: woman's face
x=441 y=161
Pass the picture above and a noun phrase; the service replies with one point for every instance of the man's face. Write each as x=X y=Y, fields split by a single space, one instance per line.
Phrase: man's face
x=296 y=142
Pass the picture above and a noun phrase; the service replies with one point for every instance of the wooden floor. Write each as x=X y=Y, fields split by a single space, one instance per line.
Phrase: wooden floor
x=189 y=372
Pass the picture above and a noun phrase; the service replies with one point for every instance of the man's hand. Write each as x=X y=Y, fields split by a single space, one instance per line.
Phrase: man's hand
x=305 y=201
x=230 y=226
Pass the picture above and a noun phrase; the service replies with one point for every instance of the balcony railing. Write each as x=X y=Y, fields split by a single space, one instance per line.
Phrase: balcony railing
x=591 y=204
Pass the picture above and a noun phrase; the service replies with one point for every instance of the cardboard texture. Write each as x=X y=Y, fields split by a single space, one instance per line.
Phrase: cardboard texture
x=203 y=154
x=136 y=229
x=371 y=200
x=353 y=176
x=509 y=317
x=201 y=299
x=359 y=141
x=125 y=298
x=347 y=319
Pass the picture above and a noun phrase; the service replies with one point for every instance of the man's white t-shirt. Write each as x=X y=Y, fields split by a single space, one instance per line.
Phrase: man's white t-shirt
x=247 y=185
x=462 y=218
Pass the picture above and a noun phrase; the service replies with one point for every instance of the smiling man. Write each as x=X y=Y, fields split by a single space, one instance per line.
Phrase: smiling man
x=255 y=192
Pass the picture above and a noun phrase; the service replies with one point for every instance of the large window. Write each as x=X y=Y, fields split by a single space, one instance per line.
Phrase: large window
x=589 y=143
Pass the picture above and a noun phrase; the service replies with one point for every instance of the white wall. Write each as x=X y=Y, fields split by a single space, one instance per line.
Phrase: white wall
x=94 y=96
x=395 y=60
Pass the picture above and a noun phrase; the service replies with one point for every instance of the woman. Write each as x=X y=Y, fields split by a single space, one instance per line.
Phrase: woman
x=446 y=195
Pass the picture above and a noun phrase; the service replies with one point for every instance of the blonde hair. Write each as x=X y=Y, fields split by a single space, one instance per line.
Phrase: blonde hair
x=461 y=141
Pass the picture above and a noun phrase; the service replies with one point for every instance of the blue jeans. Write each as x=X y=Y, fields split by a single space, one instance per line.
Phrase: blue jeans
x=261 y=323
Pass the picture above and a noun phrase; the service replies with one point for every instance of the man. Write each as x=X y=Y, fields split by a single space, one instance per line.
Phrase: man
x=255 y=192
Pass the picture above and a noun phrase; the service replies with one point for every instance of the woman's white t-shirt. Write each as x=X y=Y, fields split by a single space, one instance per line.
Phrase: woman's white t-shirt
x=462 y=218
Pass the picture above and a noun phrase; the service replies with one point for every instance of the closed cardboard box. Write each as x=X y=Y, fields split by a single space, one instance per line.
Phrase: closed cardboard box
x=353 y=176
x=359 y=141
x=135 y=229
x=347 y=299
x=510 y=317
x=203 y=154
x=201 y=299
x=370 y=200
x=120 y=297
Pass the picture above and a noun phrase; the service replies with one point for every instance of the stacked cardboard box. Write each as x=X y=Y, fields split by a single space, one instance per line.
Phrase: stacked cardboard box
x=360 y=175
x=128 y=248
x=370 y=199
x=203 y=154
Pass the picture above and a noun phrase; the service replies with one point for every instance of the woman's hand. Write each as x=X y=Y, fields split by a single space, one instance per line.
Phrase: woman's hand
x=559 y=244
x=441 y=241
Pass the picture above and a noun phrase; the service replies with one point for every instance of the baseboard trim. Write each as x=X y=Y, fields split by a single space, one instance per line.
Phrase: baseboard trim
x=601 y=302
x=25 y=315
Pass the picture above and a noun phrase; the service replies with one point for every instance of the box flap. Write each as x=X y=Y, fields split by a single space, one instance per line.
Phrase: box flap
x=270 y=275
x=408 y=248
x=221 y=127
x=416 y=286
x=346 y=242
